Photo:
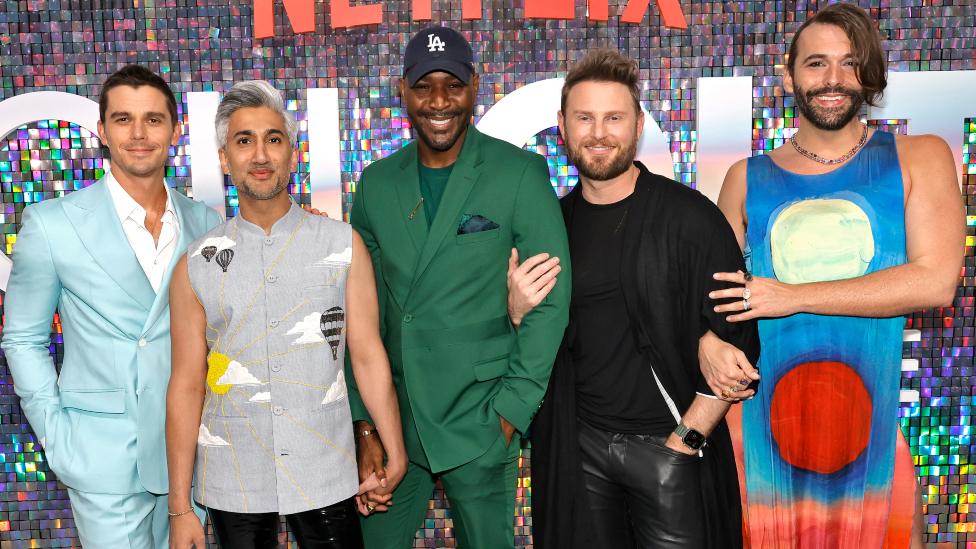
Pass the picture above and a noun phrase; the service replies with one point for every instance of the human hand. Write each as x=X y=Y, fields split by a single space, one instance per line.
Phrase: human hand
x=726 y=369
x=759 y=297
x=372 y=472
x=507 y=429
x=529 y=283
x=315 y=211
x=186 y=531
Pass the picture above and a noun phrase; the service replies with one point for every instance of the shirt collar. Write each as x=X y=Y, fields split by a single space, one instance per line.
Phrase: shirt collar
x=284 y=225
x=126 y=206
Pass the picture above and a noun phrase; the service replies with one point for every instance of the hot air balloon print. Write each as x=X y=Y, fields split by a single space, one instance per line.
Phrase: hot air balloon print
x=224 y=257
x=332 y=323
x=208 y=252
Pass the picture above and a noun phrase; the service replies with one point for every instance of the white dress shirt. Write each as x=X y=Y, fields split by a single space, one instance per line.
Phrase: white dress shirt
x=153 y=257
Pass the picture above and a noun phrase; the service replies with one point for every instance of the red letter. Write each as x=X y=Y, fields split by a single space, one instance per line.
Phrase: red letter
x=598 y=10
x=344 y=15
x=301 y=14
x=421 y=10
x=671 y=14
x=550 y=9
x=470 y=9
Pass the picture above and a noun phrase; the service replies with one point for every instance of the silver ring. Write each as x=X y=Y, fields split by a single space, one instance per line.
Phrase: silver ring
x=746 y=293
x=745 y=304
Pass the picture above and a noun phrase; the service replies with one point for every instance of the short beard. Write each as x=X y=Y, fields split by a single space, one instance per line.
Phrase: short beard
x=621 y=162
x=247 y=191
x=446 y=146
x=828 y=119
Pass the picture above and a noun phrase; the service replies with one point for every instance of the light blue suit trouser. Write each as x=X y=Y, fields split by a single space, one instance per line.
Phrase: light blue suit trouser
x=123 y=521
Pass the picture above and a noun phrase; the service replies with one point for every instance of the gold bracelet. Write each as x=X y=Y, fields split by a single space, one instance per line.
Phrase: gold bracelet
x=181 y=513
x=366 y=432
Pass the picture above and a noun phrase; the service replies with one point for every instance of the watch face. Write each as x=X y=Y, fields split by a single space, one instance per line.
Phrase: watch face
x=693 y=439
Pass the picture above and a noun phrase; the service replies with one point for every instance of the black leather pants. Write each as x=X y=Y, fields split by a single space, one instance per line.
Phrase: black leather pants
x=332 y=527
x=640 y=493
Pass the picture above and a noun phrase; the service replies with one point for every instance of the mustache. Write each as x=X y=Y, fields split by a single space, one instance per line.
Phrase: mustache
x=592 y=142
x=267 y=166
x=836 y=90
x=442 y=114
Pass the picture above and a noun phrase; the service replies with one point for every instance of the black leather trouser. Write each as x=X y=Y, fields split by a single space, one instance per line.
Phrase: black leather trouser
x=332 y=527
x=641 y=493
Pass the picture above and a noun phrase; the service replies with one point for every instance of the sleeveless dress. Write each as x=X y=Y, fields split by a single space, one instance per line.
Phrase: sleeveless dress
x=820 y=436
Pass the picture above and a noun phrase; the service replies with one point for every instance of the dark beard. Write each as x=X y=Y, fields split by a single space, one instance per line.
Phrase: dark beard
x=602 y=172
x=828 y=119
x=440 y=147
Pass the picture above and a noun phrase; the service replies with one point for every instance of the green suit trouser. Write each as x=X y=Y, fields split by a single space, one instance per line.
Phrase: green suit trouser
x=482 y=496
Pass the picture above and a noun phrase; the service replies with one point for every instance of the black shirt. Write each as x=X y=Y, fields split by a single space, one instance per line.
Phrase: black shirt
x=615 y=388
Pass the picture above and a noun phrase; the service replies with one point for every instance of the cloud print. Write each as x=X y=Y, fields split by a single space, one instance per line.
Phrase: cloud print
x=260 y=397
x=237 y=375
x=345 y=256
x=219 y=242
x=338 y=389
x=207 y=439
x=309 y=328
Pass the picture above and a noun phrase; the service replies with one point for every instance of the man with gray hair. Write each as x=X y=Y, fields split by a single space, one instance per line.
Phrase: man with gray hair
x=263 y=307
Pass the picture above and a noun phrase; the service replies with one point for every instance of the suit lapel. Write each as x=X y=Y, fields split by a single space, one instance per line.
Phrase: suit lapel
x=411 y=210
x=94 y=218
x=463 y=177
x=190 y=228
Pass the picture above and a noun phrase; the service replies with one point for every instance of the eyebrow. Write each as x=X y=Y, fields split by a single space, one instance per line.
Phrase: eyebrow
x=591 y=113
x=823 y=56
x=117 y=114
x=272 y=131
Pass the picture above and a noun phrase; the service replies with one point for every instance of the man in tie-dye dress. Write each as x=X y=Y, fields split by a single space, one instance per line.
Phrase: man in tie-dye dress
x=845 y=229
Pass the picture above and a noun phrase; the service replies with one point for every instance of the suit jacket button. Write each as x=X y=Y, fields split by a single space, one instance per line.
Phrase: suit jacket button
x=142 y=342
x=407 y=318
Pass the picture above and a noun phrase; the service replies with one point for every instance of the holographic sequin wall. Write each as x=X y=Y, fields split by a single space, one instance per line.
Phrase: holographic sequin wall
x=206 y=45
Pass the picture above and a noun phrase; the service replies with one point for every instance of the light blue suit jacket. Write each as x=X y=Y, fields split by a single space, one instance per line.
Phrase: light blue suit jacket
x=101 y=421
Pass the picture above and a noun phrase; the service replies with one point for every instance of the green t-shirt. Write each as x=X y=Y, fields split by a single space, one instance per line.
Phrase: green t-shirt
x=433 y=181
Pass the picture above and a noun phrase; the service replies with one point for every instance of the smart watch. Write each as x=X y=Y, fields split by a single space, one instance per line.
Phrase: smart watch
x=692 y=438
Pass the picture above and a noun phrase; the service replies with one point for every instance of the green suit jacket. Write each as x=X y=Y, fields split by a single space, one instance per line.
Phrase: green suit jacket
x=457 y=363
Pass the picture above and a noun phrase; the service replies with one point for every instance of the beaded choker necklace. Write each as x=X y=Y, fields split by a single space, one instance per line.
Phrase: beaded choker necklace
x=830 y=161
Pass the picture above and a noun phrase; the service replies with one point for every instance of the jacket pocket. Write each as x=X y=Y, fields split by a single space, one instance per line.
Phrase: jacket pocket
x=491 y=368
x=103 y=401
x=469 y=238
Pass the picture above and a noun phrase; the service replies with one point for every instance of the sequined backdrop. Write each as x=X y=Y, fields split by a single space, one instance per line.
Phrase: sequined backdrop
x=205 y=45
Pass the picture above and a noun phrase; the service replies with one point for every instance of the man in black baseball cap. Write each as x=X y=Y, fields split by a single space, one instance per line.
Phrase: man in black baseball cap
x=438 y=49
x=440 y=218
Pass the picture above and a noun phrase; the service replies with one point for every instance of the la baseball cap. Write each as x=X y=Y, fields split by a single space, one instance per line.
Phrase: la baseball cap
x=438 y=49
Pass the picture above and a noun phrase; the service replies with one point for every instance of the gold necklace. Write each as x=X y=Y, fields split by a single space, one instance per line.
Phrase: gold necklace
x=830 y=161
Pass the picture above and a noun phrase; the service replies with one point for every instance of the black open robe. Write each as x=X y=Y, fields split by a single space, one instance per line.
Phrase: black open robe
x=675 y=240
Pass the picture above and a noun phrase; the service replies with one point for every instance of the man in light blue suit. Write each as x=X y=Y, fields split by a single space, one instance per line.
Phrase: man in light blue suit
x=102 y=256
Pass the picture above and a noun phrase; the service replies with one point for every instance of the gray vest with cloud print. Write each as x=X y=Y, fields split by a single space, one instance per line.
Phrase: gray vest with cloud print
x=276 y=432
